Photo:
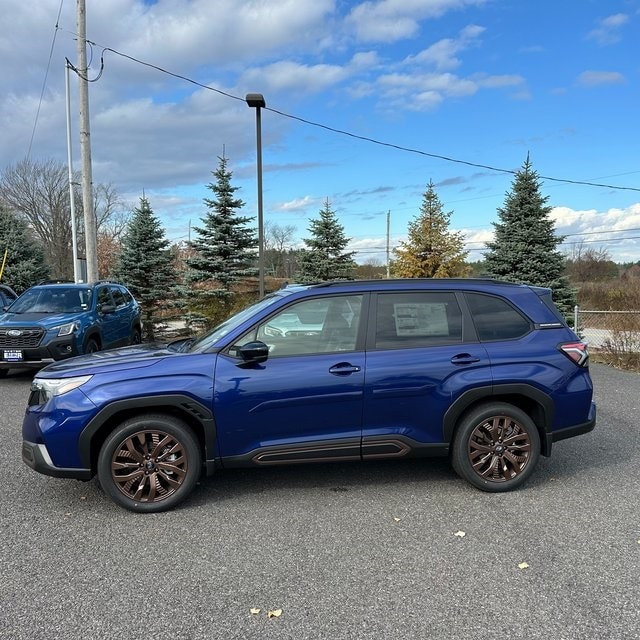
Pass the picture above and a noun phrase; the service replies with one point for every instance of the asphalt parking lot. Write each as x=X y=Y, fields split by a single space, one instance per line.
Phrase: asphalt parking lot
x=349 y=550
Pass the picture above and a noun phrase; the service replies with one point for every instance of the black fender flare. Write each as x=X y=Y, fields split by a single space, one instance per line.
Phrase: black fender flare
x=543 y=416
x=181 y=405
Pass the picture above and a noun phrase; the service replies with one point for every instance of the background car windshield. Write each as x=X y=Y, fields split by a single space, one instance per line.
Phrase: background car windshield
x=59 y=300
x=209 y=340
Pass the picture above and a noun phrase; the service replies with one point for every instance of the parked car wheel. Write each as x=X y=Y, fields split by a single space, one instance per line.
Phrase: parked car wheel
x=496 y=447
x=91 y=347
x=136 y=336
x=150 y=463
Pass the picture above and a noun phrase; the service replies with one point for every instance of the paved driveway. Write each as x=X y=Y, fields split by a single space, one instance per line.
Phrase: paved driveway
x=345 y=551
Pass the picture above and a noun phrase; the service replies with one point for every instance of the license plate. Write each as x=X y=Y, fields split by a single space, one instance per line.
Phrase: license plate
x=12 y=356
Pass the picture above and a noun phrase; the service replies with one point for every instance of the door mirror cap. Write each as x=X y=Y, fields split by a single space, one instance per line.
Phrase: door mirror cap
x=253 y=352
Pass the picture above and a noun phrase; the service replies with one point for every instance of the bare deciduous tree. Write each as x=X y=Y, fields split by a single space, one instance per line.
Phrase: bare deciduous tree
x=38 y=190
x=278 y=242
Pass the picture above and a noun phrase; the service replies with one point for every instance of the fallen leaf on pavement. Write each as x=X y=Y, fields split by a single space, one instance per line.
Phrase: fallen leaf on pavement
x=254 y=611
x=460 y=534
x=274 y=614
x=523 y=565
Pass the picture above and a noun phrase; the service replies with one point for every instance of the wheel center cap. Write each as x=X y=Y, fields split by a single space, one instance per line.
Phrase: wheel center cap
x=150 y=466
x=499 y=448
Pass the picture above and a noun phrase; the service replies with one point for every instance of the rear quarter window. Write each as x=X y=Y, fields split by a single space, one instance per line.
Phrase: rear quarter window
x=495 y=318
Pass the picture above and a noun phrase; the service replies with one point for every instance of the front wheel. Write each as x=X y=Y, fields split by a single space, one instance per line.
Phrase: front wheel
x=496 y=447
x=150 y=463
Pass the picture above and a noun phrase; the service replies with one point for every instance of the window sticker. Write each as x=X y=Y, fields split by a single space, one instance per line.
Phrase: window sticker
x=421 y=318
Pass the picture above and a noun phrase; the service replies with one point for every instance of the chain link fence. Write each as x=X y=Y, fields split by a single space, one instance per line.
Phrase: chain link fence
x=613 y=335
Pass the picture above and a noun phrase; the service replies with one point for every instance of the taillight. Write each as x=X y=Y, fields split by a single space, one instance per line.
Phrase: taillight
x=576 y=351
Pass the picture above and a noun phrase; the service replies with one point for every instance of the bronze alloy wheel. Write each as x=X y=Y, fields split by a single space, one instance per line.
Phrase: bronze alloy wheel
x=499 y=448
x=149 y=466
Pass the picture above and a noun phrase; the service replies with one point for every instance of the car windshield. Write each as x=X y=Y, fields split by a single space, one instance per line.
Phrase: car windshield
x=53 y=300
x=210 y=339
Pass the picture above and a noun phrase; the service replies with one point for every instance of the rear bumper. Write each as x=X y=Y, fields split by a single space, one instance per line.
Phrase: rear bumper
x=37 y=457
x=575 y=430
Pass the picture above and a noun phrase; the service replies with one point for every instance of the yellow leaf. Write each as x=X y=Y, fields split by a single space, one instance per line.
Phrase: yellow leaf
x=523 y=565
x=254 y=610
x=276 y=613
x=397 y=519
x=460 y=534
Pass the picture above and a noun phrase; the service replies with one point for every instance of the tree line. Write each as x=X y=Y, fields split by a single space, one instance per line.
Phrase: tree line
x=214 y=274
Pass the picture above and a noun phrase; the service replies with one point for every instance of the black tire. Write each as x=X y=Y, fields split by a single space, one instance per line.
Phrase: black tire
x=3 y=373
x=136 y=336
x=150 y=463
x=496 y=447
x=91 y=346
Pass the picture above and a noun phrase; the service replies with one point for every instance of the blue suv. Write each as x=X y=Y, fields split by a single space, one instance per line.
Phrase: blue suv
x=55 y=321
x=487 y=373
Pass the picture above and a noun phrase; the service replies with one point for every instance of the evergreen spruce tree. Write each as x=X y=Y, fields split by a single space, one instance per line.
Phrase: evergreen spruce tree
x=325 y=257
x=145 y=264
x=431 y=250
x=225 y=253
x=25 y=264
x=525 y=246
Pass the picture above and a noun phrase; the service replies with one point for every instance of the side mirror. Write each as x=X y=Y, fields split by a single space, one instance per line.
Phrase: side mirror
x=253 y=352
x=107 y=308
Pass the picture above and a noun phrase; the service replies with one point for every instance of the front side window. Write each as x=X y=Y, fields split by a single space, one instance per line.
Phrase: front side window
x=118 y=298
x=321 y=325
x=417 y=319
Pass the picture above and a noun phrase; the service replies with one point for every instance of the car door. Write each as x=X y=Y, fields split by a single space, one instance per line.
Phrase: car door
x=421 y=354
x=108 y=321
x=305 y=402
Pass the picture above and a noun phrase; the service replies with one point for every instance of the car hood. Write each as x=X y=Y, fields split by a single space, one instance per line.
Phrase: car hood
x=44 y=320
x=125 y=358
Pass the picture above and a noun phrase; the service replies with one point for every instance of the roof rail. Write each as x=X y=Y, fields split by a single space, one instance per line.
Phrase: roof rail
x=342 y=283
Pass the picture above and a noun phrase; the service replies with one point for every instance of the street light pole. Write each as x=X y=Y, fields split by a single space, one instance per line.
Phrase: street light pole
x=256 y=101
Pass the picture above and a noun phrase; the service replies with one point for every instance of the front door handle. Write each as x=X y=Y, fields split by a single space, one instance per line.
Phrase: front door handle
x=344 y=369
x=464 y=358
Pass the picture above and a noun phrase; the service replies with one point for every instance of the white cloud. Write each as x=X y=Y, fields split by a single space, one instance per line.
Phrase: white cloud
x=298 y=204
x=442 y=54
x=393 y=20
x=597 y=78
x=608 y=29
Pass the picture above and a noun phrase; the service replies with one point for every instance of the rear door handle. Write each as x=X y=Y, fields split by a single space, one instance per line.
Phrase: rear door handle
x=464 y=358
x=344 y=369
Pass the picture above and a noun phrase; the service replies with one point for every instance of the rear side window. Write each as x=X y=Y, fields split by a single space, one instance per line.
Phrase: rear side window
x=495 y=318
x=417 y=319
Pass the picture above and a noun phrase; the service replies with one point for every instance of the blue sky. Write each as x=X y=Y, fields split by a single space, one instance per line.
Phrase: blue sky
x=485 y=82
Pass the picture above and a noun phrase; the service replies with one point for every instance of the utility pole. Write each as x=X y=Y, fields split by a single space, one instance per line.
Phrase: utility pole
x=72 y=200
x=388 y=229
x=90 y=233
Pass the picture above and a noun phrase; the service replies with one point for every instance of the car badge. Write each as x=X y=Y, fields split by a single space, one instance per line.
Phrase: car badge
x=14 y=333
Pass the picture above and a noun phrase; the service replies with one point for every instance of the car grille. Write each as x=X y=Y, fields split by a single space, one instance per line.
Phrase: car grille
x=25 y=338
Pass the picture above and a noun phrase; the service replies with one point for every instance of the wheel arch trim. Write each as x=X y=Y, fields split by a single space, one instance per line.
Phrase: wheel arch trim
x=501 y=392
x=192 y=411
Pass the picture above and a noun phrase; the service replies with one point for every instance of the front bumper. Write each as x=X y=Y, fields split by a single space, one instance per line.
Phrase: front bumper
x=37 y=357
x=37 y=457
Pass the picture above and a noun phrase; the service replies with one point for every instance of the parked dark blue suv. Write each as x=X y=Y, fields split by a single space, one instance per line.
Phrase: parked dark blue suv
x=487 y=373
x=54 y=321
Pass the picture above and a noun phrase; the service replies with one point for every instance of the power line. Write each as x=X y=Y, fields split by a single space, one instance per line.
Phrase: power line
x=353 y=135
x=44 y=82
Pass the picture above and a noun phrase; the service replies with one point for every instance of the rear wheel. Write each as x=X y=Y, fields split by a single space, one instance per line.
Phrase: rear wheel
x=496 y=447
x=136 y=336
x=150 y=463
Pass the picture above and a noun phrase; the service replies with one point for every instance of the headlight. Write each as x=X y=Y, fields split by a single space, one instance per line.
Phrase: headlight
x=43 y=389
x=67 y=329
